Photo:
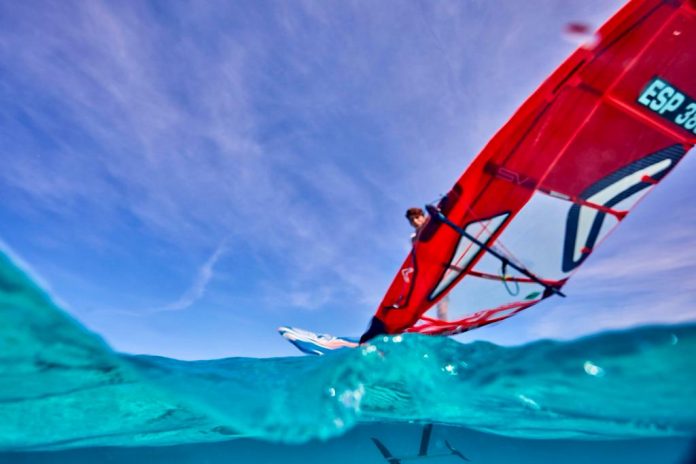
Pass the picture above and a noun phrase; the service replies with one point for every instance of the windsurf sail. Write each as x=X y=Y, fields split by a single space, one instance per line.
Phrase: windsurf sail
x=598 y=135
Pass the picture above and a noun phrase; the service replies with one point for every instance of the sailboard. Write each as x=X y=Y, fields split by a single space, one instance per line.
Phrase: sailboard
x=598 y=135
x=318 y=344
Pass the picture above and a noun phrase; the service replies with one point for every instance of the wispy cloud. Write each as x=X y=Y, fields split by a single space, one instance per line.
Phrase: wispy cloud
x=197 y=289
x=180 y=132
x=646 y=257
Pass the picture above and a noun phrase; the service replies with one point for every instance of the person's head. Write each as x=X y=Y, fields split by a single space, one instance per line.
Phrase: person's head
x=416 y=217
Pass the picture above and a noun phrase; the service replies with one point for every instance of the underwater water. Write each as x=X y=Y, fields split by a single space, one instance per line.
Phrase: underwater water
x=65 y=396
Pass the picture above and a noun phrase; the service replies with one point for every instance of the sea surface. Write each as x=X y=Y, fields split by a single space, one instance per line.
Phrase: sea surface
x=66 y=397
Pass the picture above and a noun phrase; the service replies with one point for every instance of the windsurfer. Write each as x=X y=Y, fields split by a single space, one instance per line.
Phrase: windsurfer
x=416 y=217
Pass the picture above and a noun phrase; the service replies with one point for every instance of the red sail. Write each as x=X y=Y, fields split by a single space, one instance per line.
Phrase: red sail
x=598 y=135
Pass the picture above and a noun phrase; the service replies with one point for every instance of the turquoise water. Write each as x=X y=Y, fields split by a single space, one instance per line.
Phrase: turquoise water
x=65 y=396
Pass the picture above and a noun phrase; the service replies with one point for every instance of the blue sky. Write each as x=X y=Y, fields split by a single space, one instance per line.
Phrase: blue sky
x=187 y=176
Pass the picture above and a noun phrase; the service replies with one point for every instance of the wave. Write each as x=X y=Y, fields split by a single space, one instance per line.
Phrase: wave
x=63 y=386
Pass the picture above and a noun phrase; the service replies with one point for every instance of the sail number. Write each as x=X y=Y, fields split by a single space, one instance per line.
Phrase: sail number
x=663 y=98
